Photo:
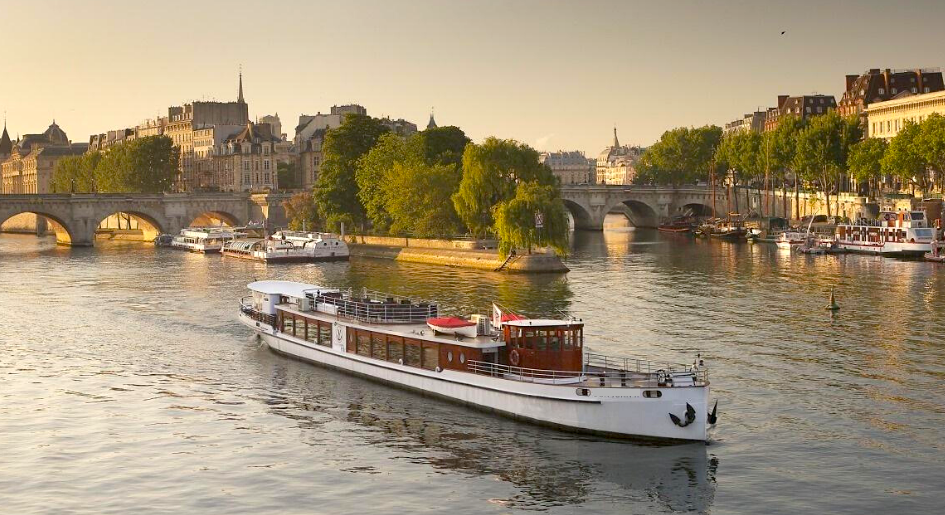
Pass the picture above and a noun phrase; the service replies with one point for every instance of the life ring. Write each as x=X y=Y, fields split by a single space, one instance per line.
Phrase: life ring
x=514 y=357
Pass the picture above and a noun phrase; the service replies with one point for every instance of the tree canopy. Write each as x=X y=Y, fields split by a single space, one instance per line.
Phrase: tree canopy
x=491 y=174
x=145 y=165
x=336 y=190
x=682 y=155
x=515 y=224
x=301 y=212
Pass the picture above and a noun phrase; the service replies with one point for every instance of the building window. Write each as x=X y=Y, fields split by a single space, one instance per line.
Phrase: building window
x=882 y=91
x=266 y=164
x=926 y=89
x=914 y=90
x=820 y=109
x=892 y=91
x=246 y=166
x=807 y=109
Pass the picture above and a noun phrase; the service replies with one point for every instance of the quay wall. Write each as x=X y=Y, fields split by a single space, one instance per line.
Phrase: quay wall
x=844 y=204
x=464 y=258
x=424 y=243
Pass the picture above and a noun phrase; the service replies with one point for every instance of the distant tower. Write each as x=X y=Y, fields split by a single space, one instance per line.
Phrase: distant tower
x=6 y=146
x=616 y=143
x=432 y=123
x=239 y=97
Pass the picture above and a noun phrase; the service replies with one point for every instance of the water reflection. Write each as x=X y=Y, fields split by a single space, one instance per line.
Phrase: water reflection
x=547 y=468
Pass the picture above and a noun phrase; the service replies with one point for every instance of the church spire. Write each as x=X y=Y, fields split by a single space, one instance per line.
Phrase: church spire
x=616 y=143
x=239 y=97
x=432 y=123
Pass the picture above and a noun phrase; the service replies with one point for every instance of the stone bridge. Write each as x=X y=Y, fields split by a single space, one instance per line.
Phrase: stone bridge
x=645 y=206
x=76 y=217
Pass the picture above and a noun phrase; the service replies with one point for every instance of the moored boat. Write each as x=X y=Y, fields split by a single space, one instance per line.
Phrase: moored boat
x=324 y=246
x=204 y=240
x=788 y=239
x=268 y=250
x=537 y=370
x=678 y=225
x=898 y=234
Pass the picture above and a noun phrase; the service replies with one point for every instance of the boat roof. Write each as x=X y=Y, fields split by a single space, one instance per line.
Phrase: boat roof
x=540 y=322
x=288 y=288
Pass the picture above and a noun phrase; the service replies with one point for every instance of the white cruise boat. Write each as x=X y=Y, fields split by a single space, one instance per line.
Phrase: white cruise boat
x=205 y=240
x=533 y=370
x=790 y=239
x=324 y=246
x=903 y=233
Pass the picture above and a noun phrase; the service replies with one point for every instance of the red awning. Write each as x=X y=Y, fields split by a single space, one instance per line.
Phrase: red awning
x=450 y=322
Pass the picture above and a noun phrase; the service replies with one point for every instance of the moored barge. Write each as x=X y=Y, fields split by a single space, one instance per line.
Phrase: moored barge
x=537 y=370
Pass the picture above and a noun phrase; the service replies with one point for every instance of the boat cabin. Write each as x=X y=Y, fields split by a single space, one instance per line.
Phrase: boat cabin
x=544 y=344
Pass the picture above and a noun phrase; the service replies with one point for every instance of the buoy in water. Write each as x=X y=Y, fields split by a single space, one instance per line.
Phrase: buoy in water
x=833 y=306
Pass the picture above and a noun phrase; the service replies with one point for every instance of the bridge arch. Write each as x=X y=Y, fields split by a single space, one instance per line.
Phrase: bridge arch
x=147 y=222
x=213 y=217
x=582 y=218
x=638 y=212
x=696 y=209
x=64 y=234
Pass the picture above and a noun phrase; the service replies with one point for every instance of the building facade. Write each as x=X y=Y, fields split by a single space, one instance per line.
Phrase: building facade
x=886 y=119
x=803 y=107
x=247 y=160
x=751 y=122
x=879 y=86
x=570 y=167
x=310 y=136
x=28 y=168
x=616 y=164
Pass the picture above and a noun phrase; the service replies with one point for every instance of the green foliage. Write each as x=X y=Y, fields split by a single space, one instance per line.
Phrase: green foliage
x=741 y=154
x=301 y=211
x=444 y=145
x=903 y=158
x=515 y=219
x=865 y=160
x=146 y=165
x=822 y=150
x=418 y=199
x=681 y=156
x=288 y=176
x=336 y=191
x=374 y=172
x=491 y=173
x=930 y=145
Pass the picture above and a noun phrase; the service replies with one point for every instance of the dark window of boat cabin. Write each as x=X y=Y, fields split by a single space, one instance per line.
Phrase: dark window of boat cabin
x=364 y=343
x=288 y=323
x=540 y=340
x=352 y=341
x=529 y=340
x=395 y=349
x=566 y=339
x=311 y=330
x=430 y=356
x=324 y=334
x=412 y=353
x=379 y=346
x=554 y=340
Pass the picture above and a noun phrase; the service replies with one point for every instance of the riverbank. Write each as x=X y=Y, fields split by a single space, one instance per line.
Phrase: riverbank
x=482 y=259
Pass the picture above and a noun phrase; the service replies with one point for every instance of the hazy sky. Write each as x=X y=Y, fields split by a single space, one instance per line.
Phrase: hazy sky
x=553 y=74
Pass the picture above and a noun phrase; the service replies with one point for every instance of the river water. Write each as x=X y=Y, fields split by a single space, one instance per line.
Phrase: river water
x=126 y=384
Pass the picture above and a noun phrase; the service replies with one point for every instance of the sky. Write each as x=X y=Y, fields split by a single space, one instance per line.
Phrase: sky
x=557 y=75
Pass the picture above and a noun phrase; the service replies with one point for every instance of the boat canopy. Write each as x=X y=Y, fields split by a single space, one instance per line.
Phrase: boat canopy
x=242 y=245
x=287 y=288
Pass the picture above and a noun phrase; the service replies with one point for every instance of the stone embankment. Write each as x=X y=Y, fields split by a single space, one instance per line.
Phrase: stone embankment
x=456 y=253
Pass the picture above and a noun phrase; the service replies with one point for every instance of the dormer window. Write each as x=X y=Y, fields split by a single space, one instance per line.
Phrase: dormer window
x=882 y=91
x=892 y=91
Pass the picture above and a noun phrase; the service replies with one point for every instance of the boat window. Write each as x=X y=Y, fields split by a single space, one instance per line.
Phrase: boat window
x=430 y=356
x=554 y=340
x=529 y=342
x=412 y=353
x=364 y=343
x=288 y=324
x=449 y=356
x=352 y=341
x=566 y=339
x=395 y=349
x=462 y=357
x=540 y=340
x=311 y=330
x=379 y=346
x=324 y=334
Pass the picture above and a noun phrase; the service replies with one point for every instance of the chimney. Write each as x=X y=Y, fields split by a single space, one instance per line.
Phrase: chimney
x=850 y=80
x=886 y=79
x=918 y=80
x=781 y=100
x=874 y=71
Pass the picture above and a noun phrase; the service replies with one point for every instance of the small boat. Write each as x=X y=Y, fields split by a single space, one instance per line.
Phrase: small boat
x=534 y=370
x=789 y=239
x=323 y=246
x=204 y=240
x=811 y=245
x=678 y=225
x=267 y=250
x=453 y=325
x=936 y=255
x=163 y=240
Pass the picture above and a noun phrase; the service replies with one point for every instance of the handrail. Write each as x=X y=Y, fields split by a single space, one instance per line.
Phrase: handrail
x=598 y=376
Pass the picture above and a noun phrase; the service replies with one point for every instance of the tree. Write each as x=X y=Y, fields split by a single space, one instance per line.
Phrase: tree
x=682 y=155
x=904 y=160
x=930 y=146
x=822 y=148
x=444 y=145
x=288 y=176
x=784 y=156
x=515 y=219
x=336 y=191
x=739 y=153
x=865 y=162
x=75 y=174
x=491 y=174
x=301 y=211
x=418 y=199
x=146 y=165
x=374 y=171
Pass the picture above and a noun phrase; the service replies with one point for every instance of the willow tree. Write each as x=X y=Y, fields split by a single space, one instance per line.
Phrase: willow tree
x=491 y=174
x=515 y=219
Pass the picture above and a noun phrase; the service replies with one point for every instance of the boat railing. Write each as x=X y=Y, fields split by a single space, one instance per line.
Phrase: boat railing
x=529 y=375
x=601 y=372
x=603 y=366
x=377 y=307
x=246 y=306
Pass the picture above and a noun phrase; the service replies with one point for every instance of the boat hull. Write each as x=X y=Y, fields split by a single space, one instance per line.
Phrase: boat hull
x=891 y=249
x=613 y=412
